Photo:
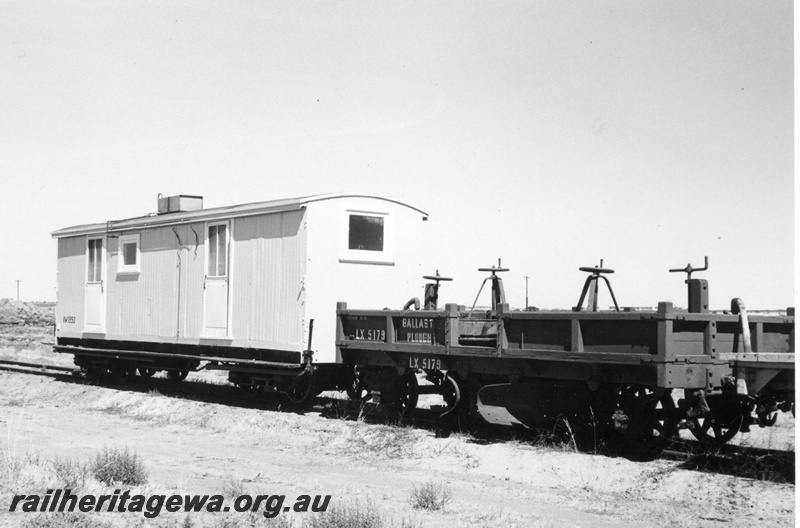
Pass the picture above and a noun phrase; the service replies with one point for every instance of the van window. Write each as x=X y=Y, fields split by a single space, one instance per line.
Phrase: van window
x=95 y=260
x=128 y=254
x=366 y=233
x=217 y=250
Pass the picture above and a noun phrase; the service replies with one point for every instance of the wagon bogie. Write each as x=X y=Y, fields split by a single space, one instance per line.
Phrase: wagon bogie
x=301 y=390
x=124 y=371
x=177 y=374
x=147 y=372
x=645 y=417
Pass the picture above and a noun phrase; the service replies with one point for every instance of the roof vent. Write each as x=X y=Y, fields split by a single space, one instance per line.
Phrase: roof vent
x=179 y=203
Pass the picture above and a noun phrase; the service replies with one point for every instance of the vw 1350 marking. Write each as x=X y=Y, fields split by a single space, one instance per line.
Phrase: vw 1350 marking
x=424 y=363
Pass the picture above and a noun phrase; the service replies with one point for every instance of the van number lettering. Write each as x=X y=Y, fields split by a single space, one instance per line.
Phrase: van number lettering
x=424 y=363
x=363 y=334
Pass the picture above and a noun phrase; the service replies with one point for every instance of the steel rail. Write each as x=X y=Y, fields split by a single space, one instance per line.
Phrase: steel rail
x=41 y=366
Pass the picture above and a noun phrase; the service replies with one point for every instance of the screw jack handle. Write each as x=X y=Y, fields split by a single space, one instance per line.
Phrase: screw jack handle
x=436 y=278
x=689 y=269
x=596 y=270
x=494 y=269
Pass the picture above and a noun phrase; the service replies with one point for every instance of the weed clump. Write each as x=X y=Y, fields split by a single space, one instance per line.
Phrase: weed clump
x=65 y=520
x=70 y=473
x=353 y=515
x=384 y=441
x=225 y=520
x=115 y=466
x=431 y=496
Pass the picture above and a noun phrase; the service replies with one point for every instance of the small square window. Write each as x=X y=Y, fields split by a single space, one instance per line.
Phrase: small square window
x=366 y=238
x=366 y=233
x=128 y=254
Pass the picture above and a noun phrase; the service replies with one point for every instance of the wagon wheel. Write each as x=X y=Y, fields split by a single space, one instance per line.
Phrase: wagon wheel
x=251 y=390
x=645 y=418
x=406 y=392
x=177 y=375
x=357 y=390
x=93 y=372
x=147 y=372
x=714 y=428
x=301 y=391
x=123 y=373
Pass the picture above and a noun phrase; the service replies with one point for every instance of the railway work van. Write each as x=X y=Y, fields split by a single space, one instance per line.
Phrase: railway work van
x=240 y=281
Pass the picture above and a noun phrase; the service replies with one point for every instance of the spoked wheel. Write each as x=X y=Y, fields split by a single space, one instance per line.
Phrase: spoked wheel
x=301 y=391
x=406 y=393
x=177 y=375
x=147 y=372
x=646 y=419
x=716 y=429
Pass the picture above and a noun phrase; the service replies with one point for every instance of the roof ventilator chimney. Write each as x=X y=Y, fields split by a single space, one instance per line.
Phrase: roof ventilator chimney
x=179 y=204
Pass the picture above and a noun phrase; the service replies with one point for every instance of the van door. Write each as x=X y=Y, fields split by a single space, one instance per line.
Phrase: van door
x=216 y=284
x=95 y=296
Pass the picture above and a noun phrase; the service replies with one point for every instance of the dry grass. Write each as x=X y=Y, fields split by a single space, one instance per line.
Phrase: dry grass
x=16 y=469
x=224 y=520
x=431 y=496
x=456 y=446
x=115 y=466
x=498 y=518
x=70 y=474
x=31 y=343
x=65 y=520
x=233 y=489
x=354 y=515
x=384 y=441
x=357 y=514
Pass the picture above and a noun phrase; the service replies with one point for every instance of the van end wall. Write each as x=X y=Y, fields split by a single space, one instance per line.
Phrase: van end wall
x=71 y=284
x=365 y=286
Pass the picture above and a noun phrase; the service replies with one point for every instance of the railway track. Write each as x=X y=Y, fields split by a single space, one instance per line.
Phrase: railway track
x=35 y=368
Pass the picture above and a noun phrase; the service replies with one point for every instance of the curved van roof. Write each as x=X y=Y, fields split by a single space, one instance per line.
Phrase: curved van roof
x=215 y=213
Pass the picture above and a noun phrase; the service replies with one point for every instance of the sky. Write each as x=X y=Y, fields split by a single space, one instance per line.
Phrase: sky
x=548 y=134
